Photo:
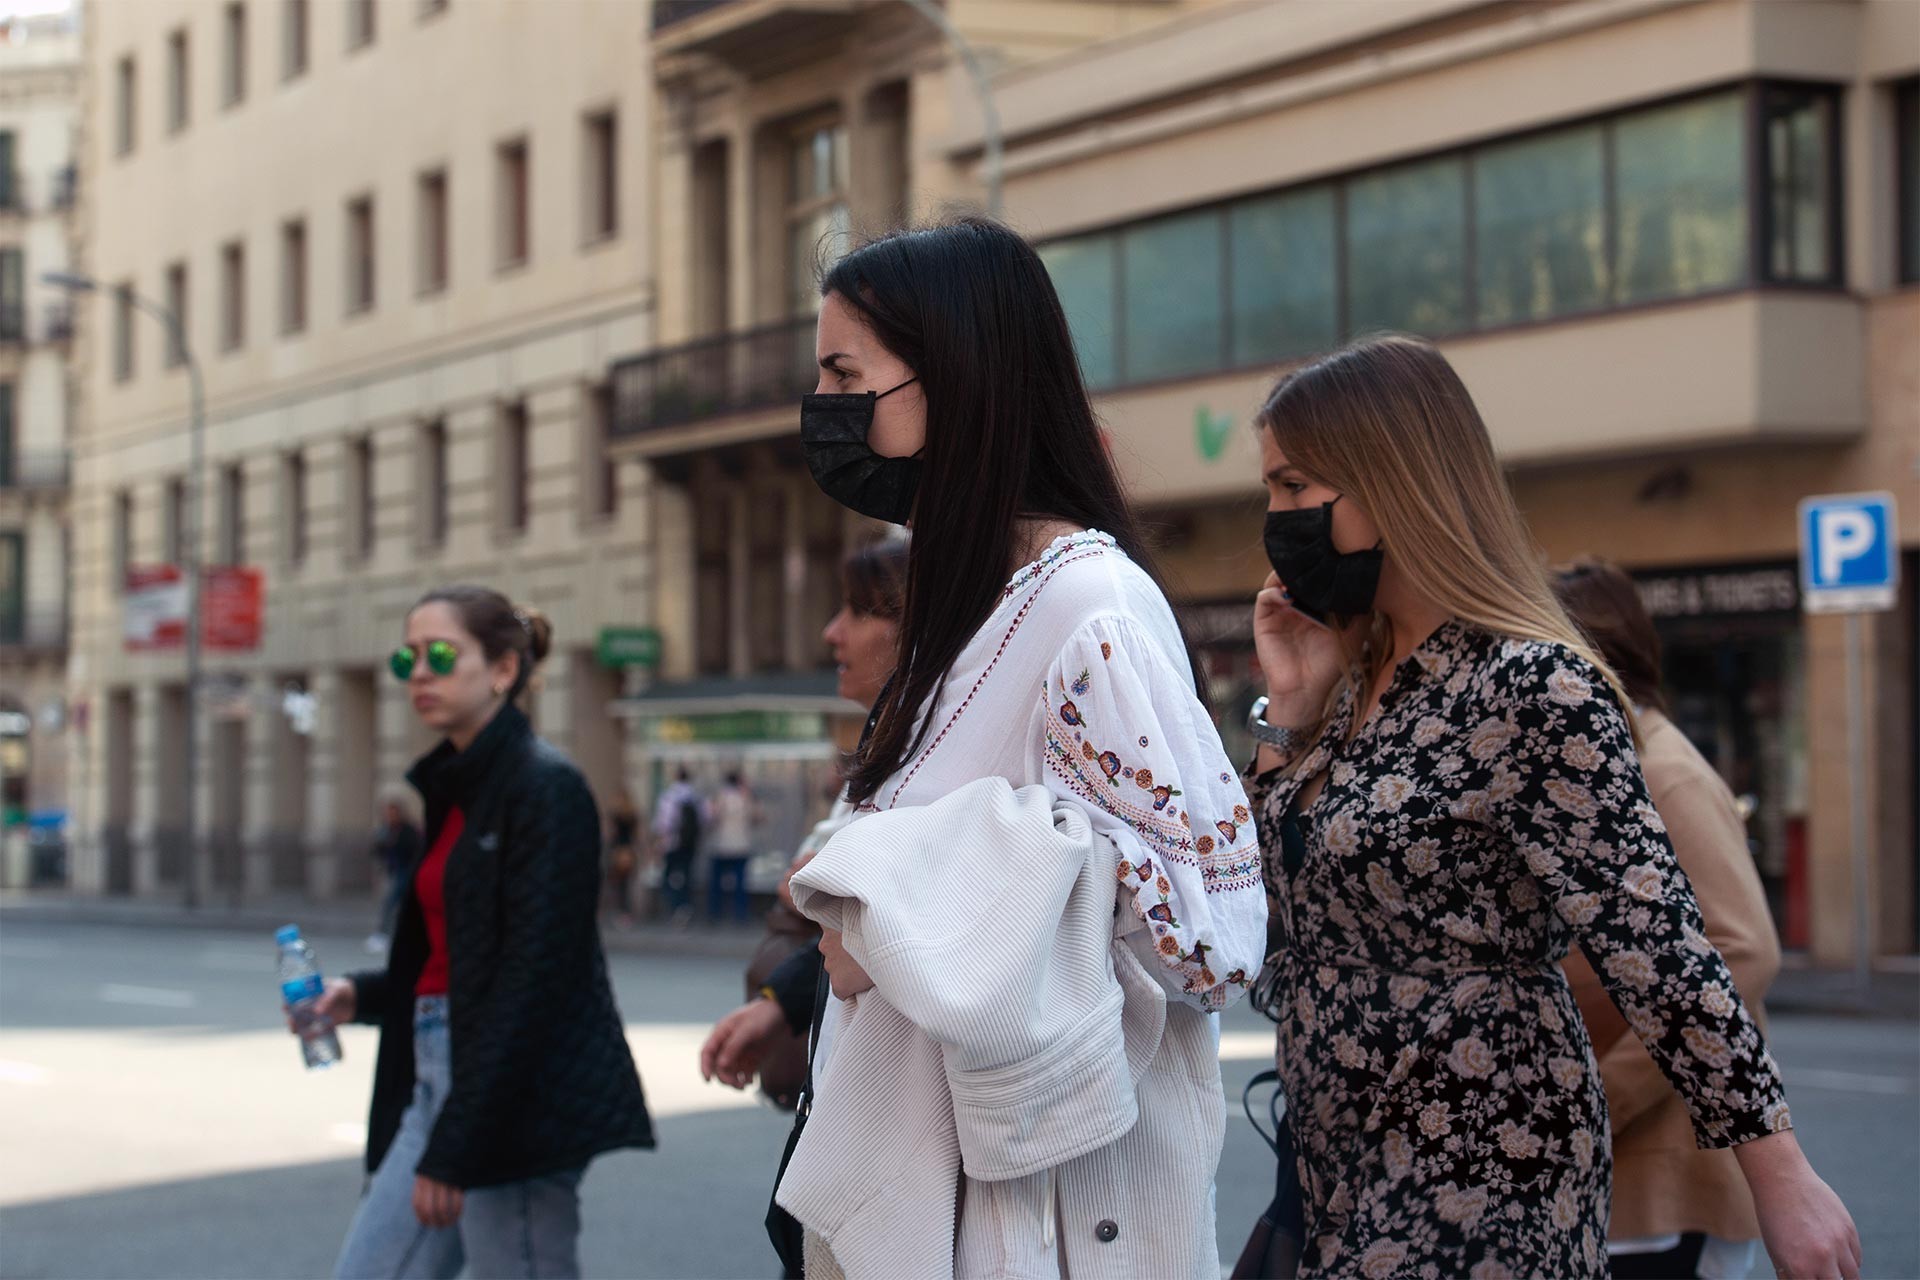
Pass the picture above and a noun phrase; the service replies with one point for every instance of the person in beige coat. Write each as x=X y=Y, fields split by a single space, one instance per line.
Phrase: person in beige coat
x=1678 y=1210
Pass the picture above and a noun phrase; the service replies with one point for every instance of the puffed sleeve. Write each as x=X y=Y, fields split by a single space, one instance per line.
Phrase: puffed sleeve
x=1122 y=735
x=1576 y=808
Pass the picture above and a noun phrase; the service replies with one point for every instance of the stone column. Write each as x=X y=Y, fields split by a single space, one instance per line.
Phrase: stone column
x=323 y=762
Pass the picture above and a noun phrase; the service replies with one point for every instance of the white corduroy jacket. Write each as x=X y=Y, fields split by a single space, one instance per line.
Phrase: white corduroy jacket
x=1016 y=1096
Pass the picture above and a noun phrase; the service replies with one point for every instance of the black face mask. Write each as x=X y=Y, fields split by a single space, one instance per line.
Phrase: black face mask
x=1322 y=581
x=833 y=433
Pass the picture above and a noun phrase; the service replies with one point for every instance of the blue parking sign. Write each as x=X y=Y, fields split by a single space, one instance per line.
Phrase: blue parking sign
x=1849 y=553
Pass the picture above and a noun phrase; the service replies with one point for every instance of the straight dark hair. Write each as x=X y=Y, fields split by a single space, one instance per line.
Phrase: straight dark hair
x=1011 y=435
x=1606 y=605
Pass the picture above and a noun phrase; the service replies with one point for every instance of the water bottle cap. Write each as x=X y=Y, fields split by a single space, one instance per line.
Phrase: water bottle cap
x=287 y=933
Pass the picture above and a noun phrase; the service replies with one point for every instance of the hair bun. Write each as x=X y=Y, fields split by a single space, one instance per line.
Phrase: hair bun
x=539 y=631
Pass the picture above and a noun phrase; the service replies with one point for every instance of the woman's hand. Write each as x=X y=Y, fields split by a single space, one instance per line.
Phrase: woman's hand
x=436 y=1204
x=1300 y=659
x=843 y=972
x=1808 y=1233
x=337 y=1003
x=733 y=1050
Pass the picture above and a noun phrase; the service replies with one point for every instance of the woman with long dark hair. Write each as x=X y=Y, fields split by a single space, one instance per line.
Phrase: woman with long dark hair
x=503 y=1068
x=1037 y=649
x=1449 y=793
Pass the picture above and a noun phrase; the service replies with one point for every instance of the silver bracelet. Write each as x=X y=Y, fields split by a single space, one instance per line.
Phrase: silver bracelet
x=1286 y=741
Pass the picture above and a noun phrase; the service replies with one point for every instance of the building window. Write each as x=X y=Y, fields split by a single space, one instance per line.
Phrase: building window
x=177 y=305
x=1174 y=327
x=360 y=261
x=294 y=20
x=233 y=296
x=8 y=445
x=179 y=98
x=1680 y=199
x=173 y=522
x=360 y=497
x=1087 y=278
x=818 y=230
x=233 y=76
x=1283 y=281
x=1801 y=191
x=233 y=514
x=433 y=484
x=515 y=213
x=123 y=332
x=13 y=295
x=601 y=199
x=13 y=587
x=9 y=180
x=433 y=231
x=1406 y=248
x=516 y=457
x=1540 y=226
x=361 y=24
x=122 y=538
x=601 y=473
x=293 y=508
x=1906 y=101
x=126 y=83
x=293 y=276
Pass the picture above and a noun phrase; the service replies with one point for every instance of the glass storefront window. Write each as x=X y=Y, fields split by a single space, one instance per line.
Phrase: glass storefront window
x=1540 y=238
x=1406 y=248
x=1283 y=294
x=1083 y=274
x=1680 y=199
x=1173 y=321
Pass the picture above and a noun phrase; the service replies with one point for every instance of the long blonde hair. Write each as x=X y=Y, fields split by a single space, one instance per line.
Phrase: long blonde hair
x=1386 y=421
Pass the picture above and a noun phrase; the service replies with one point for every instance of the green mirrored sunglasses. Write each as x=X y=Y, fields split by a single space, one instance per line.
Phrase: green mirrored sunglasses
x=442 y=655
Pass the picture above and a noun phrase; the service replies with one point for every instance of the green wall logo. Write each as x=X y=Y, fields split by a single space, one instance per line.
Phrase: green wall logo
x=1210 y=432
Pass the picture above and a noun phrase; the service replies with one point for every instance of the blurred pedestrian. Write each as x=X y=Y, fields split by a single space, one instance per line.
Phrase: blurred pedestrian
x=767 y=1036
x=396 y=844
x=1678 y=1210
x=1448 y=791
x=1042 y=669
x=503 y=1069
x=735 y=814
x=623 y=853
x=678 y=819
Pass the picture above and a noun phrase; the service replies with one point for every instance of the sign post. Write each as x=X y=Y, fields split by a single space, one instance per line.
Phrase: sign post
x=1849 y=564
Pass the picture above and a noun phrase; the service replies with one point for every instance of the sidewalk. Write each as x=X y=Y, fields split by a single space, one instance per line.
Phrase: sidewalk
x=1893 y=991
x=352 y=919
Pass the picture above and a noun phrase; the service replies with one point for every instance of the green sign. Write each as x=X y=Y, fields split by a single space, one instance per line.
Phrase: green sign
x=1211 y=431
x=629 y=647
x=735 y=726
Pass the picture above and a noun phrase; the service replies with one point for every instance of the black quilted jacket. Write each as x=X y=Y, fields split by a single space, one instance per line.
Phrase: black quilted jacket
x=542 y=1077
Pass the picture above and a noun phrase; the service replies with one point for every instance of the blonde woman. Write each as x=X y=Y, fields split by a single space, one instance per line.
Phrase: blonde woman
x=1447 y=794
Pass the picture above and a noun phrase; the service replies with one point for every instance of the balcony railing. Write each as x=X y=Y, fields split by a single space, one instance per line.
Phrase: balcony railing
x=668 y=12
x=712 y=378
x=47 y=470
x=40 y=631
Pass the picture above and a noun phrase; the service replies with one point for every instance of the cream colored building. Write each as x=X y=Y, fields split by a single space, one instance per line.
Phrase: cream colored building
x=39 y=126
x=407 y=237
x=1671 y=245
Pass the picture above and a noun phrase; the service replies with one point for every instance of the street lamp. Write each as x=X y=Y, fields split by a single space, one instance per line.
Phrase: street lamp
x=74 y=282
x=982 y=88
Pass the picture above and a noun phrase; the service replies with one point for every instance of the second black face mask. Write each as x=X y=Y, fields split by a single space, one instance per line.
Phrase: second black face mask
x=1323 y=582
x=833 y=435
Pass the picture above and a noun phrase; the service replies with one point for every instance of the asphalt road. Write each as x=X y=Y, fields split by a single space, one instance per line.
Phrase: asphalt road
x=155 y=1120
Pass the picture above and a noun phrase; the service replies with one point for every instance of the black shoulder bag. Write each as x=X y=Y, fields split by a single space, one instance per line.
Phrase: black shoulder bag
x=782 y=1227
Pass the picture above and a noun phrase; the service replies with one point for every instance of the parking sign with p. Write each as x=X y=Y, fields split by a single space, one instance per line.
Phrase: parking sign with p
x=1849 y=558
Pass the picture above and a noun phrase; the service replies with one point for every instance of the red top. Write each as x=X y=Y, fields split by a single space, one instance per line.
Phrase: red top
x=430 y=886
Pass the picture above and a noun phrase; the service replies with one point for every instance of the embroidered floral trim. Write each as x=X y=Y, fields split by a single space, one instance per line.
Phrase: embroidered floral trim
x=1058 y=547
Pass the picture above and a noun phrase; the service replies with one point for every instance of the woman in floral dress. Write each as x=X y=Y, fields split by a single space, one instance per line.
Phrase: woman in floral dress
x=1447 y=793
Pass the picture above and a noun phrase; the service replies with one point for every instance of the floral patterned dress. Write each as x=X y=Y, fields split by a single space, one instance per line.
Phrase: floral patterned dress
x=1444 y=1096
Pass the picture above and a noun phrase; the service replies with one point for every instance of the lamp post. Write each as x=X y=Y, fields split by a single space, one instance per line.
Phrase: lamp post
x=982 y=88
x=75 y=283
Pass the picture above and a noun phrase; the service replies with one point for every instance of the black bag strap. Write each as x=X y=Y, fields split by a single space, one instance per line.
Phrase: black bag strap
x=1276 y=1108
x=820 y=989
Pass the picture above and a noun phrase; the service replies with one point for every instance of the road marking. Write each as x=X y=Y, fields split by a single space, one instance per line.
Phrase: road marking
x=351 y=1133
x=1853 y=1082
x=151 y=997
x=21 y=1073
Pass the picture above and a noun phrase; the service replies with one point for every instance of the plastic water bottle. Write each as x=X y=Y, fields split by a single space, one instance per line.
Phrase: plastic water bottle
x=300 y=987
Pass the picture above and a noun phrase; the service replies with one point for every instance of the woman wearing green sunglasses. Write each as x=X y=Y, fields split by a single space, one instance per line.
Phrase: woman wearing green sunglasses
x=503 y=1069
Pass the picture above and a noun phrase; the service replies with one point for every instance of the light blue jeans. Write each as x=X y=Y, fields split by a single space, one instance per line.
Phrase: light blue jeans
x=516 y=1231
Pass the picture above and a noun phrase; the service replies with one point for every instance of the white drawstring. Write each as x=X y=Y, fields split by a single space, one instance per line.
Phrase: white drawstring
x=1047 y=1208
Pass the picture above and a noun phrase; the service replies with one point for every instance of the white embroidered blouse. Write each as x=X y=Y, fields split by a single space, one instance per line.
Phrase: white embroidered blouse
x=1078 y=681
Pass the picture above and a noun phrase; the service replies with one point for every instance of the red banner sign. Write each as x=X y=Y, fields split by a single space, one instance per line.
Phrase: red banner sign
x=232 y=608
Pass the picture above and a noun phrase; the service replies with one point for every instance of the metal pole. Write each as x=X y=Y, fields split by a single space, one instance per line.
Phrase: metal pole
x=982 y=88
x=1857 y=807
